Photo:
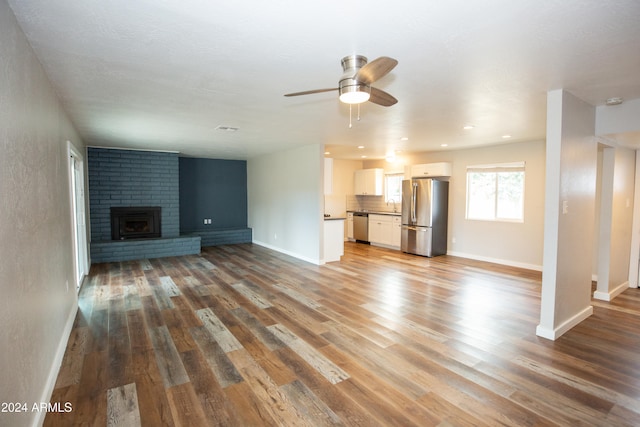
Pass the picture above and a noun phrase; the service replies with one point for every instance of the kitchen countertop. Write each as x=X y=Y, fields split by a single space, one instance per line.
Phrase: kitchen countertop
x=334 y=218
x=379 y=213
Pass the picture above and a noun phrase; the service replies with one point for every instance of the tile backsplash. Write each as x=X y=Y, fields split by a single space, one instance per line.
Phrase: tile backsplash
x=372 y=204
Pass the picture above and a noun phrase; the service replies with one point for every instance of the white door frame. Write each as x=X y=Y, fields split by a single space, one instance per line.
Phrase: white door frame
x=78 y=213
x=603 y=228
x=634 y=261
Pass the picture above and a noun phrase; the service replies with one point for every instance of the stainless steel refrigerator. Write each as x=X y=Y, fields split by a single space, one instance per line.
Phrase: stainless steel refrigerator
x=425 y=205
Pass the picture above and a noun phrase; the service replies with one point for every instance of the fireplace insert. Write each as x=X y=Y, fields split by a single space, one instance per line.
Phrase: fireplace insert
x=136 y=222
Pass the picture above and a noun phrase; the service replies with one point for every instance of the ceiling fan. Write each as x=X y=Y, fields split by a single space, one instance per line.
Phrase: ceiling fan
x=354 y=86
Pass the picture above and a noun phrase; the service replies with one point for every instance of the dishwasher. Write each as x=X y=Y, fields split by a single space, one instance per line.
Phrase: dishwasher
x=361 y=227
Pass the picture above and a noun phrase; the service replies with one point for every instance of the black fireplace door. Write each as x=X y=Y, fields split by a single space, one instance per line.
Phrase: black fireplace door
x=135 y=222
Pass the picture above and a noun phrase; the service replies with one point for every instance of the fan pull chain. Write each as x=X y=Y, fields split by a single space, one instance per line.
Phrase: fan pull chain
x=357 y=118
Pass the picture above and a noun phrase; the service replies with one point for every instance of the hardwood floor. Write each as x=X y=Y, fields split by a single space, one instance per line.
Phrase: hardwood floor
x=241 y=335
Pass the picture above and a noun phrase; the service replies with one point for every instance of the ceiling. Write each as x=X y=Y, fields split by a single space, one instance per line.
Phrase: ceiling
x=163 y=75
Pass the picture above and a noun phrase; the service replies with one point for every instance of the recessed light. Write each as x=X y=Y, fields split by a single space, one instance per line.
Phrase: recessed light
x=326 y=153
x=444 y=145
x=361 y=146
x=506 y=136
x=364 y=157
x=613 y=101
x=404 y=138
x=467 y=127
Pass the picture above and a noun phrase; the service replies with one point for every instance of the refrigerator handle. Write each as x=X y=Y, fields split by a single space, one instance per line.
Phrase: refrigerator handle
x=414 y=194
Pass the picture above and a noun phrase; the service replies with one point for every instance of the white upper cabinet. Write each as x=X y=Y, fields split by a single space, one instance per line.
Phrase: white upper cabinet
x=431 y=170
x=369 y=182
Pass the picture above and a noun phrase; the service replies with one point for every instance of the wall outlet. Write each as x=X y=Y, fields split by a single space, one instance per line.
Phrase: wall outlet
x=453 y=240
x=207 y=221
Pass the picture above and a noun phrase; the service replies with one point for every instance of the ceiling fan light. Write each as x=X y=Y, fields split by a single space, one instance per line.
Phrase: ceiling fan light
x=356 y=97
x=355 y=93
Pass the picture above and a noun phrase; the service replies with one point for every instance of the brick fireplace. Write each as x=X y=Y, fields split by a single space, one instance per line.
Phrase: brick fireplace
x=135 y=181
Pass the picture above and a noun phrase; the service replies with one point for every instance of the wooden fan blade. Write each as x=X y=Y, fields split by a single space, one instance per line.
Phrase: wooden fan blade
x=375 y=70
x=381 y=97
x=309 y=92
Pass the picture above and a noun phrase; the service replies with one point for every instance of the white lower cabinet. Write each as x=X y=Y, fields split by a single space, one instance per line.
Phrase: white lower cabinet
x=350 y=225
x=333 y=240
x=382 y=230
x=396 y=231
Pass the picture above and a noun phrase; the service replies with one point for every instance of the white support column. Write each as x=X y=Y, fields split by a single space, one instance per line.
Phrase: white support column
x=571 y=167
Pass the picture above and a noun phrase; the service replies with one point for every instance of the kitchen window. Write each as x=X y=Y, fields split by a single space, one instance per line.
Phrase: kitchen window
x=393 y=187
x=496 y=192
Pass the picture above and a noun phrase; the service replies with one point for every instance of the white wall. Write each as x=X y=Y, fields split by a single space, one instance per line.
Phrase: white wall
x=618 y=119
x=616 y=221
x=285 y=201
x=343 y=173
x=36 y=263
x=570 y=188
x=517 y=244
x=620 y=123
x=621 y=227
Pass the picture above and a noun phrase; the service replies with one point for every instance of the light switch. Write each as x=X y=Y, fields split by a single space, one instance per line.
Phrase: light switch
x=565 y=207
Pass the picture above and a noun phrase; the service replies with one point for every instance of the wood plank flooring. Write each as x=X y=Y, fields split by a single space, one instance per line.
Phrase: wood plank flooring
x=243 y=336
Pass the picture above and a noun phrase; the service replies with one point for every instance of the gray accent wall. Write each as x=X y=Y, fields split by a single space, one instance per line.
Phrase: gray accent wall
x=213 y=189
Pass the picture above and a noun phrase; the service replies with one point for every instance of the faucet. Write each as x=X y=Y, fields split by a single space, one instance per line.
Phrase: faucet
x=394 y=204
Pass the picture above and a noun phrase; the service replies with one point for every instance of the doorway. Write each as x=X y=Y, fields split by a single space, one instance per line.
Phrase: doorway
x=78 y=220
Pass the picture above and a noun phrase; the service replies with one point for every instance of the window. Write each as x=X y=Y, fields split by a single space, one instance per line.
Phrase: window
x=393 y=187
x=496 y=192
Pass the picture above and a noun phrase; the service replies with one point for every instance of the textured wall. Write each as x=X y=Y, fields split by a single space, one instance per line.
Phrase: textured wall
x=132 y=178
x=36 y=265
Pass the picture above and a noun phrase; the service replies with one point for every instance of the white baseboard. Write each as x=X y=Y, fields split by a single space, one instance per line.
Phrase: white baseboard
x=56 y=364
x=509 y=263
x=608 y=296
x=554 y=334
x=293 y=254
